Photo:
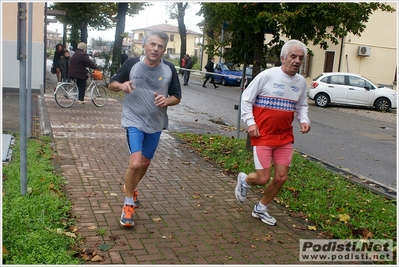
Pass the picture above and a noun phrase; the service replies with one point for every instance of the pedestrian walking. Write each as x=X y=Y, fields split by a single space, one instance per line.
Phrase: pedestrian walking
x=151 y=85
x=187 y=71
x=268 y=107
x=210 y=69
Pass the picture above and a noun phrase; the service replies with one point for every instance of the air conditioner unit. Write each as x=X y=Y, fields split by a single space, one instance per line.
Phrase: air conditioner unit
x=364 y=51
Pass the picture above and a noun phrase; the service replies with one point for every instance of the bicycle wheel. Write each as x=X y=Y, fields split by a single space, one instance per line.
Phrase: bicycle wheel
x=99 y=95
x=65 y=95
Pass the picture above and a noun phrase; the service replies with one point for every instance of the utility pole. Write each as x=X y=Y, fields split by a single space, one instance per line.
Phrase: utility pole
x=21 y=56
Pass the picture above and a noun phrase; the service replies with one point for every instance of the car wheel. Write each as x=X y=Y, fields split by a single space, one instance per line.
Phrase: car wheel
x=223 y=82
x=322 y=100
x=382 y=104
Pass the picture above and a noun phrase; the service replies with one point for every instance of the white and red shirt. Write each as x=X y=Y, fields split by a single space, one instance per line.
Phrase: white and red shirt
x=270 y=102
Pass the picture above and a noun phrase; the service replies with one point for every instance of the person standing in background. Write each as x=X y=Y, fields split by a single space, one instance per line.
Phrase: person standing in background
x=64 y=65
x=59 y=52
x=187 y=71
x=182 y=65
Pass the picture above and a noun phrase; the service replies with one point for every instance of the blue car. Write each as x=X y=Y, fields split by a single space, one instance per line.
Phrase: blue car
x=227 y=74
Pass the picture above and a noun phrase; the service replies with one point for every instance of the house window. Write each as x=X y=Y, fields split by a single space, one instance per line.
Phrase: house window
x=172 y=38
x=170 y=51
x=304 y=70
x=329 y=61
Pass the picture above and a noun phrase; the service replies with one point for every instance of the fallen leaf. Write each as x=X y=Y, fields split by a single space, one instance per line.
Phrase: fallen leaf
x=97 y=258
x=298 y=227
x=114 y=237
x=92 y=227
x=343 y=218
x=267 y=238
x=114 y=194
x=292 y=189
x=73 y=228
x=104 y=247
x=157 y=219
x=53 y=190
x=70 y=234
x=312 y=228
x=196 y=197
x=364 y=232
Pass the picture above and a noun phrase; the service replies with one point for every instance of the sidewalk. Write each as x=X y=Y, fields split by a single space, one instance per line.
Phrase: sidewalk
x=188 y=212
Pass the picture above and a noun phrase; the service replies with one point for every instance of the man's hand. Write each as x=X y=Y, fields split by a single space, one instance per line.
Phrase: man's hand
x=253 y=130
x=305 y=127
x=160 y=100
x=127 y=87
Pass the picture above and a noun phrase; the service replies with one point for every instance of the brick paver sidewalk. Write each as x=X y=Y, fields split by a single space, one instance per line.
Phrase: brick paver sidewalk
x=188 y=212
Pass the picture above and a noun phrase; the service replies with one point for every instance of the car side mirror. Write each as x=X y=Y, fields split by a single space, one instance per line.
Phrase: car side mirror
x=367 y=88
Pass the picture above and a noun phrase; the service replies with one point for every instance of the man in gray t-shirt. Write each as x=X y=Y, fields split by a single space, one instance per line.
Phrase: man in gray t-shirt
x=151 y=85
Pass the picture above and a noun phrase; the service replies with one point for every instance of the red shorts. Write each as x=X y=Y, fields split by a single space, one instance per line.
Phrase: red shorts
x=263 y=155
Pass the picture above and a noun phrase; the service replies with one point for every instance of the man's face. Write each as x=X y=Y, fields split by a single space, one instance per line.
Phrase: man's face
x=154 y=48
x=293 y=62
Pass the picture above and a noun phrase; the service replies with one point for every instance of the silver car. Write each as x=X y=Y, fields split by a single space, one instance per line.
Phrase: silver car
x=350 y=89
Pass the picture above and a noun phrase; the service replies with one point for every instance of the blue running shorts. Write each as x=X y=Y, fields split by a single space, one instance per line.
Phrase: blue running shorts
x=141 y=141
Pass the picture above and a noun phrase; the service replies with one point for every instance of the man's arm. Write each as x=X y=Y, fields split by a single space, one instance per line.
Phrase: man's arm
x=126 y=87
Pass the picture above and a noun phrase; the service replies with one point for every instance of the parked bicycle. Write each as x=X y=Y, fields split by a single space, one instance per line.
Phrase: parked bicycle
x=66 y=93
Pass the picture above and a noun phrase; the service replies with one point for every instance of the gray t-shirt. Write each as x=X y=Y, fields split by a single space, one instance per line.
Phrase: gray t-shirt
x=139 y=109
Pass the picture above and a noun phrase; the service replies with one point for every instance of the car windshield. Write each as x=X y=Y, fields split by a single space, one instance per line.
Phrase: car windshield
x=225 y=68
x=234 y=67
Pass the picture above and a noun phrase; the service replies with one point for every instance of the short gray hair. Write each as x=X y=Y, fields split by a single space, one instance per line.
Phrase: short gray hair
x=82 y=46
x=159 y=33
x=286 y=48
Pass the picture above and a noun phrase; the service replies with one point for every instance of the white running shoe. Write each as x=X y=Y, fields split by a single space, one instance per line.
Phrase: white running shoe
x=241 y=190
x=263 y=215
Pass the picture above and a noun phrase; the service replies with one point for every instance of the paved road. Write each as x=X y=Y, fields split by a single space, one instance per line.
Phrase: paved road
x=348 y=143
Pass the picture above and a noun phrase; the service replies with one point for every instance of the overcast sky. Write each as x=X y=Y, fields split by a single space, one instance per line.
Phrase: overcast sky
x=153 y=15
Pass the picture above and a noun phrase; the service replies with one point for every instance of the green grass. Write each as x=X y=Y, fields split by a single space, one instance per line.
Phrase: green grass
x=338 y=208
x=35 y=225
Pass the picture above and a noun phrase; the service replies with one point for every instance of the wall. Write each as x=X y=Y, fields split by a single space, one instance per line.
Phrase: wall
x=380 y=34
x=10 y=64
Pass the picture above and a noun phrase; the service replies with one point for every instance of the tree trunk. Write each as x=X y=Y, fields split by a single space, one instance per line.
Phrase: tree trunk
x=84 y=34
x=258 y=53
x=120 y=29
x=181 y=10
x=74 y=37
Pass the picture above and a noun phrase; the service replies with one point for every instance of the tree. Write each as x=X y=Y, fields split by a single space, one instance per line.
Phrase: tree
x=178 y=11
x=316 y=23
x=81 y=16
x=123 y=10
